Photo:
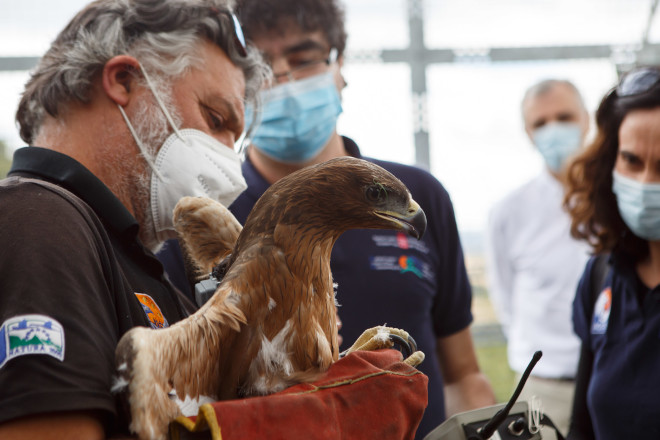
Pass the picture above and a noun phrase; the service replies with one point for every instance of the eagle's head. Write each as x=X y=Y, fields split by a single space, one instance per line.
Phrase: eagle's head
x=340 y=194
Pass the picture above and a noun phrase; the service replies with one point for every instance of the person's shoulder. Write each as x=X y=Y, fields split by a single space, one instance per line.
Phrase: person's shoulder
x=35 y=202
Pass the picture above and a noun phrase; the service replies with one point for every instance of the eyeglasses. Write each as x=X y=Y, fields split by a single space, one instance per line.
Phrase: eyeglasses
x=307 y=68
x=239 y=38
x=638 y=81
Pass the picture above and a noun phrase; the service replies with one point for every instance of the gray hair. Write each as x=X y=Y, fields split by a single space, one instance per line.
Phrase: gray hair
x=543 y=87
x=164 y=35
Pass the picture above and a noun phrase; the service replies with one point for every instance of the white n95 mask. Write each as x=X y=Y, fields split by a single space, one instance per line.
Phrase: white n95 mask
x=189 y=163
x=192 y=163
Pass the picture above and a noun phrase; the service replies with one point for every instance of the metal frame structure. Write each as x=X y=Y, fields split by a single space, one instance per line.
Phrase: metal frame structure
x=418 y=56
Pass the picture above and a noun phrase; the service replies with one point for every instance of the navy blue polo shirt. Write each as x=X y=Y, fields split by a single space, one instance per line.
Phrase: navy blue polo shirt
x=623 y=333
x=387 y=277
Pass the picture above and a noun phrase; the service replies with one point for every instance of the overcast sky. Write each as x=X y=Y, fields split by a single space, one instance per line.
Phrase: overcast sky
x=478 y=148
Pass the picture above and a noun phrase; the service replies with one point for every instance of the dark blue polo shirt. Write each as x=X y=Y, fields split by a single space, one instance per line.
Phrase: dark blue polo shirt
x=623 y=333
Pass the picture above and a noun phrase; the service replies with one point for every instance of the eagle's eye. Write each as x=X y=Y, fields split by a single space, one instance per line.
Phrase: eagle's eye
x=374 y=193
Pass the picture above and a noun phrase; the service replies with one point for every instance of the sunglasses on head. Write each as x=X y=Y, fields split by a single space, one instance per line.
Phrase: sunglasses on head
x=239 y=38
x=638 y=81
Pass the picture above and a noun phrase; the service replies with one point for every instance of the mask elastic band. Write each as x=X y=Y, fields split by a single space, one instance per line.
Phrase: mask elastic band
x=140 y=145
x=160 y=103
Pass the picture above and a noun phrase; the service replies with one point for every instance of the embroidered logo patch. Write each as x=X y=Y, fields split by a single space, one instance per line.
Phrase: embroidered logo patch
x=410 y=264
x=602 y=312
x=151 y=309
x=399 y=240
x=31 y=334
x=402 y=264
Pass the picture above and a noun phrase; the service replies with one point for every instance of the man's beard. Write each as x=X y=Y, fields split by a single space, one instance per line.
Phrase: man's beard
x=152 y=129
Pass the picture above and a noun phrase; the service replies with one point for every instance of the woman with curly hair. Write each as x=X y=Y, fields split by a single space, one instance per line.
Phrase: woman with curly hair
x=613 y=197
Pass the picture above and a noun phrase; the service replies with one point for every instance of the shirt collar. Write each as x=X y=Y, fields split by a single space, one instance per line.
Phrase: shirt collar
x=257 y=185
x=351 y=147
x=63 y=170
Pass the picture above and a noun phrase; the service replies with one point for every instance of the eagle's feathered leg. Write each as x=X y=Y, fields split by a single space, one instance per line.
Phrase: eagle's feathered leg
x=207 y=231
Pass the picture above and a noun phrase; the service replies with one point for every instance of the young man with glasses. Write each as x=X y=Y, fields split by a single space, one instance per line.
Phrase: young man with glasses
x=382 y=277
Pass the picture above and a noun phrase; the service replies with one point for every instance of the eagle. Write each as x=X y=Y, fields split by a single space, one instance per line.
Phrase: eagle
x=271 y=323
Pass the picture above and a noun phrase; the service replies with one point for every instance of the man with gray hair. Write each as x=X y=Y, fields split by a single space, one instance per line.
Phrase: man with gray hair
x=136 y=104
x=534 y=264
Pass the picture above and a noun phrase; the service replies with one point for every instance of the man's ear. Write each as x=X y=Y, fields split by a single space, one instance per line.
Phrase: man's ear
x=340 y=63
x=340 y=82
x=586 y=124
x=119 y=78
x=530 y=133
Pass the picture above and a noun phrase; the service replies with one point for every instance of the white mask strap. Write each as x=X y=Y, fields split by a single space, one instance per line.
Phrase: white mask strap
x=140 y=145
x=160 y=103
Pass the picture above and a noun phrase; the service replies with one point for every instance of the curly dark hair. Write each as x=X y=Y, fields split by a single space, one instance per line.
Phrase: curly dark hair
x=258 y=16
x=589 y=197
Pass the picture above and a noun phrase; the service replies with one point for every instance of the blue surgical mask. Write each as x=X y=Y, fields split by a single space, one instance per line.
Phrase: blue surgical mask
x=557 y=141
x=298 y=118
x=639 y=206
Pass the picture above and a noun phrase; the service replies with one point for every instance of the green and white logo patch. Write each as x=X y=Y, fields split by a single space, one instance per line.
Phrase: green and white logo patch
x=31 y=334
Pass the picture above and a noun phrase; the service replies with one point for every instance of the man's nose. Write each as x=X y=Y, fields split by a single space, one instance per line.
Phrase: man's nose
x=281 y=71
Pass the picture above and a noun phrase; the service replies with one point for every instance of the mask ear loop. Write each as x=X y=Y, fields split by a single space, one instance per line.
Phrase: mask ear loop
x=140 y=145
x=160 y=103
x=256 y=108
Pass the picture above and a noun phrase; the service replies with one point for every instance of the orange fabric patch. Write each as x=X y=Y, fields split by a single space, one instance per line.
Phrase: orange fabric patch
x=151 y=309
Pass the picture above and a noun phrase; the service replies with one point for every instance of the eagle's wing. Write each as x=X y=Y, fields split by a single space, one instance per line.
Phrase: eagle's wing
x=186 y=359
x=153 y=364
x=207 y=231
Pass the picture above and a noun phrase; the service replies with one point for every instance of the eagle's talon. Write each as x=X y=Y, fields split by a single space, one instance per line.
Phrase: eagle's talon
x=386 y=337
x=407 y=347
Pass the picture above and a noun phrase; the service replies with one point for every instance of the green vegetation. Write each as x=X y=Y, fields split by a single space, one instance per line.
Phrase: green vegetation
x=494 y=364
x=488 y=338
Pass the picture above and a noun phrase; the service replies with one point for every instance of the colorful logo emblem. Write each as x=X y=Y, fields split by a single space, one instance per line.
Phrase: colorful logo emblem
x=601 y=312
x=402 y=240
x=31 y=334
x=151 y=309
x=410 y=264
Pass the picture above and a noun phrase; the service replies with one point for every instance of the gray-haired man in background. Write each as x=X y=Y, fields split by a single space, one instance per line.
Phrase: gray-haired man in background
x=534 y=264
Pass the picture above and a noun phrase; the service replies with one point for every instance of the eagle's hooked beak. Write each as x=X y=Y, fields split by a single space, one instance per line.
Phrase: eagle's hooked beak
x=413 y=221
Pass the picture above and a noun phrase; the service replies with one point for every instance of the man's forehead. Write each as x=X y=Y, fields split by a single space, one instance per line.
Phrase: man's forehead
x=559 y=97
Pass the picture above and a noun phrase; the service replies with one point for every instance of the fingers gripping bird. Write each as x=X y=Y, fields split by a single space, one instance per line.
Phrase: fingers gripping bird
x=272 y=321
